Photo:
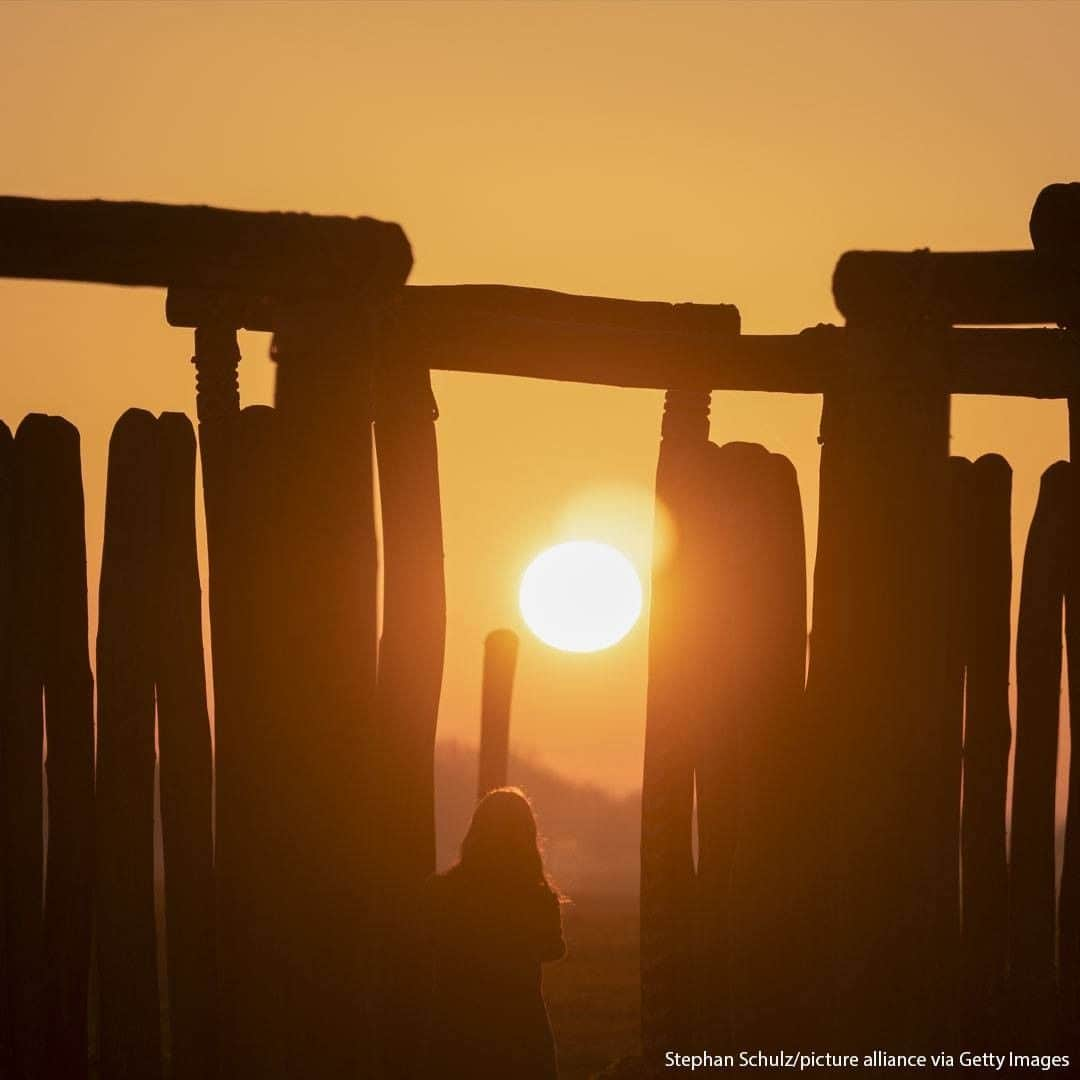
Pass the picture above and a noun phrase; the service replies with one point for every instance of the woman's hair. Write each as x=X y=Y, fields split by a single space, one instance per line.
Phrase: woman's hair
x=502 y=841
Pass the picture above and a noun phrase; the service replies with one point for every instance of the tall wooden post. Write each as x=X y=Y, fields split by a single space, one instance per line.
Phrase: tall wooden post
x=987 y=738
x=500 y=661
x=69 y=727
x=877 y=681
x=756 y=819
x=8 y=627
x=255 y=762
x=23 y=747
x=217 y=400
x=130 y=1044
x=1069 y=899
x=669 y=994
x=1032 y=893
x=186 y=761
x=328 y=581
x=411 y=654
x=47 y=936
x=947 y=794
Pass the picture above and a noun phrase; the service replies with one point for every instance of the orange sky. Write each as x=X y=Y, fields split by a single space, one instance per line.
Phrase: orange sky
x=708 y=152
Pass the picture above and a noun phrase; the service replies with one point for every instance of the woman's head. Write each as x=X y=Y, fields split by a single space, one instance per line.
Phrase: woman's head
x=502 y=839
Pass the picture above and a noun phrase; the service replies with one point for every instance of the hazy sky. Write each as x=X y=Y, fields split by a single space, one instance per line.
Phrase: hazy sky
x=706 y=151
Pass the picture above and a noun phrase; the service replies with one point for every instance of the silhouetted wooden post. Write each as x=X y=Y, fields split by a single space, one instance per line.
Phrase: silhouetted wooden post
x=48 y=944
x=1069 y=896
x=1055 y=234
x=186 y=763
x=877 y=682
x=1032 y=894
x=669 y=994
x=255 y=762
x=500 y=660
x=328 y=577
x=130 y=1044
x=8 y=627
x=987 y=738
x=755 y=864
x=947 y=793
x=216 y=360
x=23 y=976
x=411 y=654
x=69 y=727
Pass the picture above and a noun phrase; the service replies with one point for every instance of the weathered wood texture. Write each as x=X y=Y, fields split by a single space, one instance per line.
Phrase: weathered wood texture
x=500 y=663
x=411 y=654
x=877 y=686
x=293 y=255
x=129 y=1028
x=669 y=992
x=186 y=761
x=327 y=577
x=1032 y=892
x=755 y=835
x=987 y=739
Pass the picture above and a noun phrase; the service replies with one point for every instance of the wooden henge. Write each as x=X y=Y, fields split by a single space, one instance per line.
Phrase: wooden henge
x=855 y=885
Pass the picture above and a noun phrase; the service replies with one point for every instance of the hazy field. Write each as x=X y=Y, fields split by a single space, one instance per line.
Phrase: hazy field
x=593 y=994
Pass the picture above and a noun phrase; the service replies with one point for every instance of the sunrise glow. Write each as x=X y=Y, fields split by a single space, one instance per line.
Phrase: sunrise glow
x=580 y=596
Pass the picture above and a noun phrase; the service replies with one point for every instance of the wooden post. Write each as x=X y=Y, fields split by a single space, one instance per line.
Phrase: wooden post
x=216 y=361
x=186 y=762
x=1032 y=894
x=8 y=627
x=878 y=681
x=328 y=581
x=500 y=660
x=69 y=727
x=987 y=738
x=256 y=766
x=49 y=953
x=411 y=654
x=1069 y=898
x=946 y=792
x=755 y=868
x=669 y=995
x=130 y=1044
x=23 y=975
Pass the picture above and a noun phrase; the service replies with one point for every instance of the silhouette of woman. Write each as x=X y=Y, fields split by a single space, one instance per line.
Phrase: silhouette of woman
x=493 y=918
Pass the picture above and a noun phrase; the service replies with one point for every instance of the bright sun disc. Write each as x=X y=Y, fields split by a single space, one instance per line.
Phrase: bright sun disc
x=580 y=596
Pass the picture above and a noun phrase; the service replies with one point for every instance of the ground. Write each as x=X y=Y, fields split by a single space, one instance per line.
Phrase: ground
x=592 y=995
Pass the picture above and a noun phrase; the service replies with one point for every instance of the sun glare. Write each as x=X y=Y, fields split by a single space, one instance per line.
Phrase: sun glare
x=580 y=596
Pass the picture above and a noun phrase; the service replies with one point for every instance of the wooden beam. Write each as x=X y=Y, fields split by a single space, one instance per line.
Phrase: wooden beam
x=117 y=243
x=953 y=287
x=1055 y=224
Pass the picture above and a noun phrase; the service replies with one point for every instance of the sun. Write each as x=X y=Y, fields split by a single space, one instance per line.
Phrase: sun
x=580 y=596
